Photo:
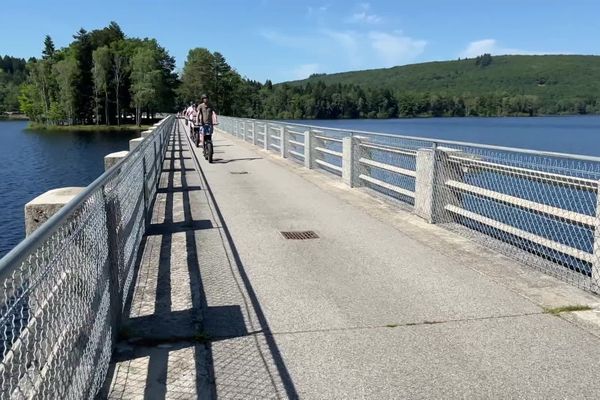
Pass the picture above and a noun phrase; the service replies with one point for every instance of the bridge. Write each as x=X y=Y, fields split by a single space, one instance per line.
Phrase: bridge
x=308 y=262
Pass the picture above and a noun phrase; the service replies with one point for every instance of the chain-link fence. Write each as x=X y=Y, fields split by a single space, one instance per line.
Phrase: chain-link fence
x=538 y=207
x=64 y=286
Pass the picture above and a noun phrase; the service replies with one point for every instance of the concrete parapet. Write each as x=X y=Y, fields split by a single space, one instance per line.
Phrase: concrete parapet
x=147 y=133
x=596 y=250
x=267 y=138
x=254 y=133
x=133 y=143
x=308 y=153
x=40 y=209
x=284 y=142
x=113 y=158
x=433 y=170
x=350 y=157
x=424 y=184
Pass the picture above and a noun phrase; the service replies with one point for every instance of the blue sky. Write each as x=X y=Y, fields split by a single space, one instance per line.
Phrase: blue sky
x=285 y=39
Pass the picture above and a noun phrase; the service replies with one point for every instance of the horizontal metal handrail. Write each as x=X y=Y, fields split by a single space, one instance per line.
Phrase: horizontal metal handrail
x=329 y=139
x=330 y=152
x=389 y=149
x=422 y=139
x=388 y=167
x=525 y=204
x=387 y=186
x=551 y=244
x=548 y=177
x=328 y=165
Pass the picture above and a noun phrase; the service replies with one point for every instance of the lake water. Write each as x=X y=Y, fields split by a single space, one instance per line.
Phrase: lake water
x=572 y=134
x=34 y=162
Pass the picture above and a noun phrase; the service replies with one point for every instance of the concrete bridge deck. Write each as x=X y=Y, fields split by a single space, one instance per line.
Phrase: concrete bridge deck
x=381 y=305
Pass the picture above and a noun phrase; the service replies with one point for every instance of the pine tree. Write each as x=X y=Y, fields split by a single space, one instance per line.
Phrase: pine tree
x=49 y=49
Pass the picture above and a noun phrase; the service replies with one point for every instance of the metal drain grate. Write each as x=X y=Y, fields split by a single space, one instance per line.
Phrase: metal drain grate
x=300 y=235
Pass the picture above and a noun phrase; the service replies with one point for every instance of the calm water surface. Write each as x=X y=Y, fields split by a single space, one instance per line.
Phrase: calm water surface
x=573 y=134
x=34 y=162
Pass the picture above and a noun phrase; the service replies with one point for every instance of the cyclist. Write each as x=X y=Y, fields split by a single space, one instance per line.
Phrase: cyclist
x=188 y=111
x=193 y=116
x=205 y=116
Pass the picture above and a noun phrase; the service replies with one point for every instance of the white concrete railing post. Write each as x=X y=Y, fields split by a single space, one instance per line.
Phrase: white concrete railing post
x=133 y=143
x=266 y=140
x=433 y=169
x=350 y=160
x=283 y=143
x=40 y=209
x=595 y=286
x=308 y=144
x=244 y=130
x=254 y=133
x=113 y=158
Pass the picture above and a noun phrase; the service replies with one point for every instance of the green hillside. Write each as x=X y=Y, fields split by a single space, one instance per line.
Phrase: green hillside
x=552 y=75
x=488 y=85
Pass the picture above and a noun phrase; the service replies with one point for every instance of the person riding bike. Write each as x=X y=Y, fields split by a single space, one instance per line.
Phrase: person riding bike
x=188 y=112
x=193 y=116
x=206 y=119
x=205 y=116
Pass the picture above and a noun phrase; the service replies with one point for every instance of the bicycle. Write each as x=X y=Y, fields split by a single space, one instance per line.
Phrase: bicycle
x=207 y=145
x=193 y=128
x=195 y=134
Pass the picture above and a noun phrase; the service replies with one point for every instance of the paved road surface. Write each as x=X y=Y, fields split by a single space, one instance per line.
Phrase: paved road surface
x=380 y=306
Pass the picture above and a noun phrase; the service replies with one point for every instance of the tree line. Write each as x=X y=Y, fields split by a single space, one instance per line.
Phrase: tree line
x=321 y=101
x=315 y=99
x=12 y=74
x=102 y=77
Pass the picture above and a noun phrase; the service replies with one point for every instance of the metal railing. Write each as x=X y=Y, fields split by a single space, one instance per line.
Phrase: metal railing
x=538 y=207
x=64 y=286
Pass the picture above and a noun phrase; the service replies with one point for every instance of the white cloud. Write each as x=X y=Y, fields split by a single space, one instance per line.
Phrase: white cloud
x=284 y=40
x=305 y=70
x=395 y=48
x=363 y=15
x=329 y=50
x=491 y=46
x=317 y=10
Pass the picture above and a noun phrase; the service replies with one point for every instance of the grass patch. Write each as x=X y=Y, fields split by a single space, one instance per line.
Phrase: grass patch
x=87 y=128
x=564 y=309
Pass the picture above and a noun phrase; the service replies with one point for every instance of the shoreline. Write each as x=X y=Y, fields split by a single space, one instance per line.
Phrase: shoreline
x=32 y=126
x=13 y=117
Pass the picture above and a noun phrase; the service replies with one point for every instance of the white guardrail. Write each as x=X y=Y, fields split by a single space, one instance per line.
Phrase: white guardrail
x=538 y=207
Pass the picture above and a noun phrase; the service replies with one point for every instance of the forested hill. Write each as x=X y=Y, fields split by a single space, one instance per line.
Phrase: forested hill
x=486 y=85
